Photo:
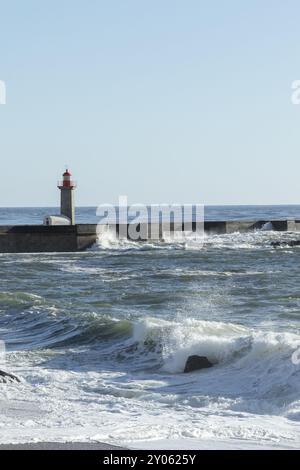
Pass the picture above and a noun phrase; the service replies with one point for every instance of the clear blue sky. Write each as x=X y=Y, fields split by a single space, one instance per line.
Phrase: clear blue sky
x=165 y=101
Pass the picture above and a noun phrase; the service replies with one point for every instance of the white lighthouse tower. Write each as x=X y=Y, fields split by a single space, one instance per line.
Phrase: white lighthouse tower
x=67 y=205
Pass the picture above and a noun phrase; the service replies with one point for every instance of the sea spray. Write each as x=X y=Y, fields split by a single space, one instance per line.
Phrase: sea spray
x=100 y=339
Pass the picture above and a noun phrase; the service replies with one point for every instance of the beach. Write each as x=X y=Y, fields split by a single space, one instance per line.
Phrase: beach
x=60 y=446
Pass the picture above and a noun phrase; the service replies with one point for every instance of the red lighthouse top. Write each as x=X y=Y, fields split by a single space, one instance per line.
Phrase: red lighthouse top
x=67 y=182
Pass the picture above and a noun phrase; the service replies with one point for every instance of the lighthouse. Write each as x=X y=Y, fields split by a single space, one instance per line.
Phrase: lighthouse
x=67 y=206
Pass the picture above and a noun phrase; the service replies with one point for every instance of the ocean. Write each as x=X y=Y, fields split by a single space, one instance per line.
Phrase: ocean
x=100 y=339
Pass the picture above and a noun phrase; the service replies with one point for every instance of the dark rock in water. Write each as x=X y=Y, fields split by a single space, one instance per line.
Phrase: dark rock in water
x=6 y=377
x=289 y=243
x=196 y=363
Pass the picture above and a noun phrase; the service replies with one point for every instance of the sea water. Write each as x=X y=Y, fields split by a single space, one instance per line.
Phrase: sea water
x=100 y=339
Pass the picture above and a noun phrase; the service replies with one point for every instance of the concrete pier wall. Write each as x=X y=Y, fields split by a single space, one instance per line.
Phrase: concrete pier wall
x=40 y=238
x=35 y=238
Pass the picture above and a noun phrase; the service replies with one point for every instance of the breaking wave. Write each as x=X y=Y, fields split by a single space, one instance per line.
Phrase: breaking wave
x=112 y=341
x=258 y=239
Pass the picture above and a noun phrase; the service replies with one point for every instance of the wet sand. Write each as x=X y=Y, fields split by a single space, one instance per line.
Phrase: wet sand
x=60 y=446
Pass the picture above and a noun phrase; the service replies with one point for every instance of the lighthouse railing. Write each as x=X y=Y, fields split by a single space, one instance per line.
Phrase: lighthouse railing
x=71 y=183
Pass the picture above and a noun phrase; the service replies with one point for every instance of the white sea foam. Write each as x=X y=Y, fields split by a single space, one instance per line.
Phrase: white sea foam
x=268 y=226
x=246 y=401
x=242 y=349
